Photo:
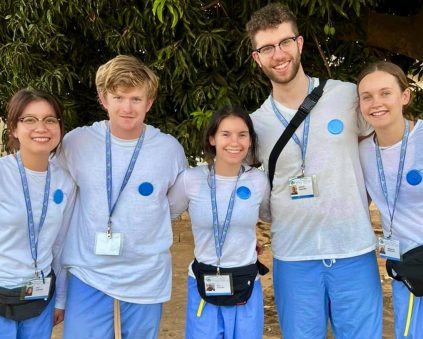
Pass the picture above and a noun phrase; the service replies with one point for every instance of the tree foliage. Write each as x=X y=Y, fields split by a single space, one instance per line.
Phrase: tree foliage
x=198 y=48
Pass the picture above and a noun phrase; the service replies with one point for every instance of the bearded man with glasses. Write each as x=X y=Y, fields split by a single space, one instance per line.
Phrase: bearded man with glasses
x=322 y=239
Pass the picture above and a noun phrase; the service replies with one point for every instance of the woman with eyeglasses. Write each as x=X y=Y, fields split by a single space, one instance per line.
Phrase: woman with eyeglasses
x=36 y=201
x=392 y=162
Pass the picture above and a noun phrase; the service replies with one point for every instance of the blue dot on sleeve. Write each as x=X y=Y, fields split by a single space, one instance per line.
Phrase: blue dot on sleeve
x=414 y=177
x=335 y=126
x=145 y=189
x=243 y=192
x=58 y=196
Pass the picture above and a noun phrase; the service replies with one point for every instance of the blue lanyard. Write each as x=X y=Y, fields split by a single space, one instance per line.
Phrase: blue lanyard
x=219 y=237
x=303 y=145
x=109 y=176
x=399 y=173
x=33 y=235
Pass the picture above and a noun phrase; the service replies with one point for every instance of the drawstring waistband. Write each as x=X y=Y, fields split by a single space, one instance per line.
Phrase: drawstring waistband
x=330 y=264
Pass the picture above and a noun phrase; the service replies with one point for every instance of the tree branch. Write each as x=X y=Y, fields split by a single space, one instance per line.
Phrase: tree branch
x=322 y=55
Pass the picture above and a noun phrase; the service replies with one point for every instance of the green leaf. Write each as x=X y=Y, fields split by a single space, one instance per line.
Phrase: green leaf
x=340 y=10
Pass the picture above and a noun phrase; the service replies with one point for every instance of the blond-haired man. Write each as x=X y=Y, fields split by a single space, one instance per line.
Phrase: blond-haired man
x=117 y=249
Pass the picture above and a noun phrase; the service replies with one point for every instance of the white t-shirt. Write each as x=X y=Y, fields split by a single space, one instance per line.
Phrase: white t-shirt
x=408 y=217
x=192 y=191
x=142 y=272
x=16 y=263
x=336 y=223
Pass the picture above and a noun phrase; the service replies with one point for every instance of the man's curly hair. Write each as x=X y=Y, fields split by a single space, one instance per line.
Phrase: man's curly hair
x=270 y=16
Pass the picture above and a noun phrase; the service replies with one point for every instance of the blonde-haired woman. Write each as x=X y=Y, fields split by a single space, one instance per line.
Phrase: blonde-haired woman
x=392 y=162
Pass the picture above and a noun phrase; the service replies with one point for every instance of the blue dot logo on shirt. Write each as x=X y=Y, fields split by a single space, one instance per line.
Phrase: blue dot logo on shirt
x=243 y=192
x=414 y=177
x=58 y=196
x=145 y=189
x=335 y=126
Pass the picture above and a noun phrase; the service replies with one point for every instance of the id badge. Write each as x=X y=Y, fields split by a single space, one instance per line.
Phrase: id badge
x=303 y=187
x=218 y=284
x=389 y=249
x=108 y=246
x=36 y=289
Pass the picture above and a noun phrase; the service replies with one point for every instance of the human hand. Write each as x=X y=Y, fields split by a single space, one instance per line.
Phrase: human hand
x=59 y=315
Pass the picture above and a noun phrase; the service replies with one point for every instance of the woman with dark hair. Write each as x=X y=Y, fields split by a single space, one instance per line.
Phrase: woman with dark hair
x=392 y=162
x=36 y=201
x=224 y=199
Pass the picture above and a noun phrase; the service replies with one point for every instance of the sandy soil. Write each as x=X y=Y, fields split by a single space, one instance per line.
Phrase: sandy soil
x=172 y=325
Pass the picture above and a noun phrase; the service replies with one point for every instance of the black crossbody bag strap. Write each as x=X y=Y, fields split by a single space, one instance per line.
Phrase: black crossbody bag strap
x=309 y=102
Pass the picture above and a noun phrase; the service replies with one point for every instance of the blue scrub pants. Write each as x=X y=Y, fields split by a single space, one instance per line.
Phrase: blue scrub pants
x=408 y=321
x=224 y=322
x=346 y=291
x=39 y=327
x=89 y=314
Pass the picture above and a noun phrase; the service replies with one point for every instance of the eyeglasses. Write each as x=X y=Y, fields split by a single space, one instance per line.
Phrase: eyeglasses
x=284 y=45
x=31 y=121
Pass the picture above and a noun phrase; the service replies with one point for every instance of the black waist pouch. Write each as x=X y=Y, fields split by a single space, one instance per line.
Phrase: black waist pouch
x=242 y=282
x=12 y=307
x=409 y=270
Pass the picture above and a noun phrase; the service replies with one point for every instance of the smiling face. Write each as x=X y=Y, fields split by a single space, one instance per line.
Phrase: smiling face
x=382 y=100
x=232 y=142
x=41 y=137
x=281 y=66
x=127 y=108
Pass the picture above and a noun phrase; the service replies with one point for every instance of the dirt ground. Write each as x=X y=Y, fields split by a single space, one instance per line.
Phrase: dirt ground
x=172 y=324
